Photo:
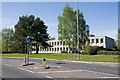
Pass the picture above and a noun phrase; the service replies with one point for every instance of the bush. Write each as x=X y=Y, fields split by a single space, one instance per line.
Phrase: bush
x=109 y=52
x=94 y=50
x=91 y=50
x=87 y=49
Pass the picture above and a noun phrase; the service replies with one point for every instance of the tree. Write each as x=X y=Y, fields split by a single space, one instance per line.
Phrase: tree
x=8 y=41
x=118 y=38
x=67 y=27
x=33 y=27
x=38 y=31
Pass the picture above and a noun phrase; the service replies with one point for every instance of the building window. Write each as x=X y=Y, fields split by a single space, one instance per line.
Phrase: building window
x=101 y=40
x=57 y=43
x=52 y=49
x=97 y=41
x=63 y=42
x=92 y=40
x=55 y=49
x=60 y=42
x=60 y=49
x=67 y=49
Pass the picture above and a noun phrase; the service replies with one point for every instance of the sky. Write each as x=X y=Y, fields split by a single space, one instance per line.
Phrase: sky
x=102 y=17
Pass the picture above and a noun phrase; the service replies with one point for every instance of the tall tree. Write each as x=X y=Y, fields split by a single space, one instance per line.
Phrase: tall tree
x=8 y=41
x=67 y=27
x=33 y=27
x=118 y=38
x=66 y=23
x=38 y=32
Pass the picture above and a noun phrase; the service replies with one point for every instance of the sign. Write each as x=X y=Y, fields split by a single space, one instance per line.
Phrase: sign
x=28 y=40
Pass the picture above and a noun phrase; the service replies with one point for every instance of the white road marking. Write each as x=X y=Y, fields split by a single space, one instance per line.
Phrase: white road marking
x=20 y=68
x=29 y=71
x=107 y=74
x=108 y=77
x=8 y=64
x=79 y=71
x=100 y=72
x=48 y=76
x=111 y=65
x=60 y=71
x=43 y=72
x=56 y=66
x=26 y=70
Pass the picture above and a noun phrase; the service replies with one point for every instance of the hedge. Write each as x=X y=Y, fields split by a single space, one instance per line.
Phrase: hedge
x=10 y=52
x=108 y=52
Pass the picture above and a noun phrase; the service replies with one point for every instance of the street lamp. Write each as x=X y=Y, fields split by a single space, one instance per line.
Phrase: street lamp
x=77 y=32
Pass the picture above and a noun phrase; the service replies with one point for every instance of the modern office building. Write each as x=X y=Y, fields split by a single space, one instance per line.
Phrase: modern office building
x=102 y=41
x=59 y=46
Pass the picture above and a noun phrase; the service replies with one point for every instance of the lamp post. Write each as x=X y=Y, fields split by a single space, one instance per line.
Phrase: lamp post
x=77 y=32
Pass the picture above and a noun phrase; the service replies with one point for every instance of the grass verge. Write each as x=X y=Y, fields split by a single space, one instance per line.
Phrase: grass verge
x=71 y=57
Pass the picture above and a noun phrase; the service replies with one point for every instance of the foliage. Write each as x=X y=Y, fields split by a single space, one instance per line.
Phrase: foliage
x=108 y=53
x=87 y=49
x=8 y=40
x=67 y=27
x=91 y=50
x=33 y=27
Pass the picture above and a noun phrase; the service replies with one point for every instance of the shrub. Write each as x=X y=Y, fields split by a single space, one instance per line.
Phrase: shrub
x=94 y=50
x=91 y=50
x=109 y=52
x=87 y=49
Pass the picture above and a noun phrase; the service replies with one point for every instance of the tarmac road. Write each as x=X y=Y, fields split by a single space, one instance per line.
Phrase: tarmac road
x=12 y=68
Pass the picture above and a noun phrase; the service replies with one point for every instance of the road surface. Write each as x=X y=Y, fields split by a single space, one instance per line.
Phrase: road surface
x=12 y=68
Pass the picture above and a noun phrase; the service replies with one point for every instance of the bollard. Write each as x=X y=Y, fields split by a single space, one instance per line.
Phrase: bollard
x=44 y=64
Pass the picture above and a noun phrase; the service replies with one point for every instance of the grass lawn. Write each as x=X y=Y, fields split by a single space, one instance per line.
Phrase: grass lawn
x=67 y=56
